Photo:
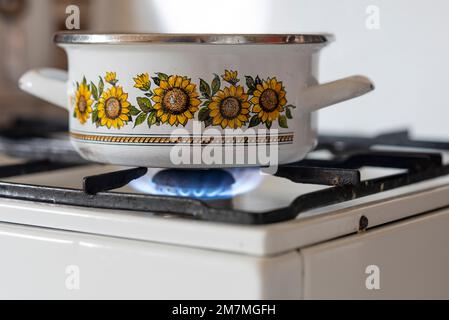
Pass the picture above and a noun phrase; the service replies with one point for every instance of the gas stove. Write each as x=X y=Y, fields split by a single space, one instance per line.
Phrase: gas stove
x=357 y=209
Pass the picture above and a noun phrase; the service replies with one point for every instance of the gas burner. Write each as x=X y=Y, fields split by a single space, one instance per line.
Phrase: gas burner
x=208 y=194
x=207 y=184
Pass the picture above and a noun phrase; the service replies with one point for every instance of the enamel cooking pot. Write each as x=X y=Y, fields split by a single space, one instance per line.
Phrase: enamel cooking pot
x=191 y=100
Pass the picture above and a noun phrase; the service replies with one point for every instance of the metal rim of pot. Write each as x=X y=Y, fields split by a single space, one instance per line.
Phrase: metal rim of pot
x=67 y=37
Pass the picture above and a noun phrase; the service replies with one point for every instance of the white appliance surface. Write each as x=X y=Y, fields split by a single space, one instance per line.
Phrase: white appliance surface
x=54 y=251
x=41 y=263
x=411 y=258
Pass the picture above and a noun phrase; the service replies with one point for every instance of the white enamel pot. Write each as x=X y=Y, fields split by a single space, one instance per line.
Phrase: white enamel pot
x=135 y=98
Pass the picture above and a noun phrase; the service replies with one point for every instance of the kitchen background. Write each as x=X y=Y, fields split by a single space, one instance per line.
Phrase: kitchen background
x=402 y=45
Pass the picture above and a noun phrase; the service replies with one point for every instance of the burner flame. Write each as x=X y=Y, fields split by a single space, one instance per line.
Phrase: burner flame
x=200 y=184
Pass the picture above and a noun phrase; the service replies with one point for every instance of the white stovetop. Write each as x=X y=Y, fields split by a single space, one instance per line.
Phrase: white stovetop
x=309 y=228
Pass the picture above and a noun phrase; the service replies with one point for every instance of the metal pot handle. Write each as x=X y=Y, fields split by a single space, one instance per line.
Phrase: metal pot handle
x=47 y=84
x=324 y=95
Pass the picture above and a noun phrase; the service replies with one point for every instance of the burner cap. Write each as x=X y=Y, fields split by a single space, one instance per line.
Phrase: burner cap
x=193 y=182
x=203 y=183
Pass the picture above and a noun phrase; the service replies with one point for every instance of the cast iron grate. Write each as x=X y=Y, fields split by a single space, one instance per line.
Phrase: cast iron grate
x=341 y=174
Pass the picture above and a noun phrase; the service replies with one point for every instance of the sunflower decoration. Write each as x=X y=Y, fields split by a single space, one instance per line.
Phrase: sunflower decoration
x=83 y=103
x=230 y=77
x=229 y=107
x=113 y=109
x=176 y=100
x=269 y=102
x=111 y=78
x=142 y=82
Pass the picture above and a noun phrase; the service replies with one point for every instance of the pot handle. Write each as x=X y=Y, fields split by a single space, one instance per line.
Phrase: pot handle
x=324 y=95
x=48 y=84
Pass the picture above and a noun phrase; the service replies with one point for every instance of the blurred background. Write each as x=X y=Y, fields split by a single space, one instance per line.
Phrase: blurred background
x=401 y=45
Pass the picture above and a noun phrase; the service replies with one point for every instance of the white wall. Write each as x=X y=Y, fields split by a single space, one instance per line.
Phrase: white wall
x=408 y=57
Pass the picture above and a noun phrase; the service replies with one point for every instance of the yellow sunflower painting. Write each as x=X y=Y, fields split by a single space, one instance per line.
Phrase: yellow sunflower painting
x=269 y=100
x=111 y=77
x=114 y=108
x=230 y=107
x=142 y=82
x=83 y=103
x=176 y=100
x=230 y=76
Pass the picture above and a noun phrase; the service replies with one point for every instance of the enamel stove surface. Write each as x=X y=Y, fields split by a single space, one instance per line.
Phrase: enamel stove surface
x=57 y=251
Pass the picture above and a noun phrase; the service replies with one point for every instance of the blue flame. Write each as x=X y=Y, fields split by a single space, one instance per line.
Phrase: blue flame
x=201 y=184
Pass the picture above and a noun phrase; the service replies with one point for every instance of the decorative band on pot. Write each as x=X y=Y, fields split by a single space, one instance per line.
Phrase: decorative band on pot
x=174 y=100
x=166 y=140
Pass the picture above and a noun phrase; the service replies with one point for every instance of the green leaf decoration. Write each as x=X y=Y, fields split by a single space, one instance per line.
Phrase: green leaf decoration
x=77 y=85
x=151 y=118
x=255 y=121
x=84 y=81
x=203 y=115
x=282 y=120
x=205 y=89
x=156 y=81
x=140 y=119
x=290 y=106
x=208 y=122
x=134 y=111
x=100 y=87
x=216 y=84
x=94 y=90
x=288 y=113
x=149 y=94
x=95 y=114
x=250 y=83
x=257 y=81
x=144 y=104
x=162 y=76
x=268 y=124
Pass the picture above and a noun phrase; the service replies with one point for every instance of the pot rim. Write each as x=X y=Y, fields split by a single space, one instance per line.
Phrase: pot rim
x=69 y=37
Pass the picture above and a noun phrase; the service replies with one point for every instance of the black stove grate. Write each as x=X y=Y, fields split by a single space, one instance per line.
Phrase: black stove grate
x=341 y=174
